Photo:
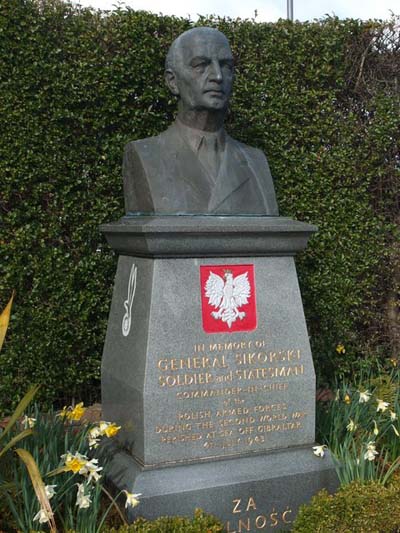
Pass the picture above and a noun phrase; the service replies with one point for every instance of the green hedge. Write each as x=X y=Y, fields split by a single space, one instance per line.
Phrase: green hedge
x=200 y=523
x=355 y=508
x=76 y=85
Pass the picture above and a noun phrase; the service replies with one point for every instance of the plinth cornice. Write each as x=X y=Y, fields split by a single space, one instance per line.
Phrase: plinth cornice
x=207 y=236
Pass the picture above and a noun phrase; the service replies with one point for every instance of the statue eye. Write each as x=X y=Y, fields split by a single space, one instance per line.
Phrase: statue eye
x=227 y=66
x=200 y=66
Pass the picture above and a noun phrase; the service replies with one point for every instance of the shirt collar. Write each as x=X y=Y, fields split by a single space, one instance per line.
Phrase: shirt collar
x=195 y=137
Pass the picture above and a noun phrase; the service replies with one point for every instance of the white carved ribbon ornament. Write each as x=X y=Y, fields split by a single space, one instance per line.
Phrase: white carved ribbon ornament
x=127 y=319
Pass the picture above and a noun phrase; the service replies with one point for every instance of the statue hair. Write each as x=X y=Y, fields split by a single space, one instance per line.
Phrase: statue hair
x=176 y=46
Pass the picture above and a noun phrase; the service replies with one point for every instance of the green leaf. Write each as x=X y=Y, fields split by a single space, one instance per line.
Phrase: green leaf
x=23 y=404
x=38 y=485
x=15 y=440
x=4 y=320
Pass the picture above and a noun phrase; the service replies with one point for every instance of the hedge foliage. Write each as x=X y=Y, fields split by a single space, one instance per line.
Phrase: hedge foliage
x=200 y=523
x=357 y=507
x=76 y=84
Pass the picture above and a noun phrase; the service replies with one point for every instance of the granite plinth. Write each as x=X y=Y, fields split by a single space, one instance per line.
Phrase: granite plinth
x=200 y=403
x=182 y=394
x=261 y=493
x=207 y=236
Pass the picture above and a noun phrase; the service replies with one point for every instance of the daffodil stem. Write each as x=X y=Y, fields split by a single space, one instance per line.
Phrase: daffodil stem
x=114 y=503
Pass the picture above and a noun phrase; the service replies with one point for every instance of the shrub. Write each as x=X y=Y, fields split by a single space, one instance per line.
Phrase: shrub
x=201 y=523
x=357 y=507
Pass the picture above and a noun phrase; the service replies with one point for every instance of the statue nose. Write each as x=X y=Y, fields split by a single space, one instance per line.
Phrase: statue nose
x=215 y=73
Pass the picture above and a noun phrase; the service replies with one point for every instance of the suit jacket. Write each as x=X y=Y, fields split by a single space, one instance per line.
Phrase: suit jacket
x=163 y=175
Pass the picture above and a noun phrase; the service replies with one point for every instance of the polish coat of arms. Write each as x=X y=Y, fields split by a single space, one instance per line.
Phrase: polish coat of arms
x=228 y=299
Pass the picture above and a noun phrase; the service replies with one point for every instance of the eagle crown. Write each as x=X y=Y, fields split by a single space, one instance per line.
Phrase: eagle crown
x=228 y=274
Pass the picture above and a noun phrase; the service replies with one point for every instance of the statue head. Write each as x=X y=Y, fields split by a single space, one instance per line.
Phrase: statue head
x=199 y=70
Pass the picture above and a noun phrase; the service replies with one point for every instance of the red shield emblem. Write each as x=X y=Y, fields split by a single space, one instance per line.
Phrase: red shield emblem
x=228 y=298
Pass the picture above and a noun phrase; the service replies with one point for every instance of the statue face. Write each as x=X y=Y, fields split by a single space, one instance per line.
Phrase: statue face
x=203 y=71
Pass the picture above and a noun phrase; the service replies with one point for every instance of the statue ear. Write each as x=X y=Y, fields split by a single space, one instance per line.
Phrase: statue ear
x=170 y=80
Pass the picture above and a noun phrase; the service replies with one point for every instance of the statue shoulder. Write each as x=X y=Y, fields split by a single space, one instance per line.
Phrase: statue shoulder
x=258 y=163
x=150 y=150
x=250 y=152
x=139 y=165
x=143 y=146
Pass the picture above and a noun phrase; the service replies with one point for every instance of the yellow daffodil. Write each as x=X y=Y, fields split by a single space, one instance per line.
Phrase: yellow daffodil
x=382 y=406
x=395 y=430
x=111 y=430
x=74 y=463
x=364 y=396
x=78 y=463
x=347 y=399
x=103 y=426
x=28 y=422
x=371 y=452
x=106 y=429
x=340 y=349
x=77 y=412
x=394 y=361
x=319 y=450
x=73 y=413
x=393 y=416
x=351 y=426
x=376 y=430
x=131 y=499
x=64 y=411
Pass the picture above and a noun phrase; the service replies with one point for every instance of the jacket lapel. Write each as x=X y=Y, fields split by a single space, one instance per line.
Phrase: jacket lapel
x=187 y=168
x=233 y=173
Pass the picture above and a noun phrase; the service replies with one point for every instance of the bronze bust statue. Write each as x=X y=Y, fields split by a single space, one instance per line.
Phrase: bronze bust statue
x=195 y=167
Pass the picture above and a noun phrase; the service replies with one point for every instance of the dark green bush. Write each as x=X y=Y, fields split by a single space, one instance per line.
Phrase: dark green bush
x=201 y=523
x=355 y=508
x=76 y=85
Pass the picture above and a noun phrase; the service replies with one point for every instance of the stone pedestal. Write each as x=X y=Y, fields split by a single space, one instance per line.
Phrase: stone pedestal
x=207 y=367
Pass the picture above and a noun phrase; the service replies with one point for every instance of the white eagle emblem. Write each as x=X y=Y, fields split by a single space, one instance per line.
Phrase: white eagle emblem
x=227 y=295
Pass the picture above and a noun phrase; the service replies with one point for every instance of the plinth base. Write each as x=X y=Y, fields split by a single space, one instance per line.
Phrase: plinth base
x=248 y=494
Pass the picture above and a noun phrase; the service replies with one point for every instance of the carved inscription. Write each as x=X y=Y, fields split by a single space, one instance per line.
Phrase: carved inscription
x=238 y=374
x=249 y=515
